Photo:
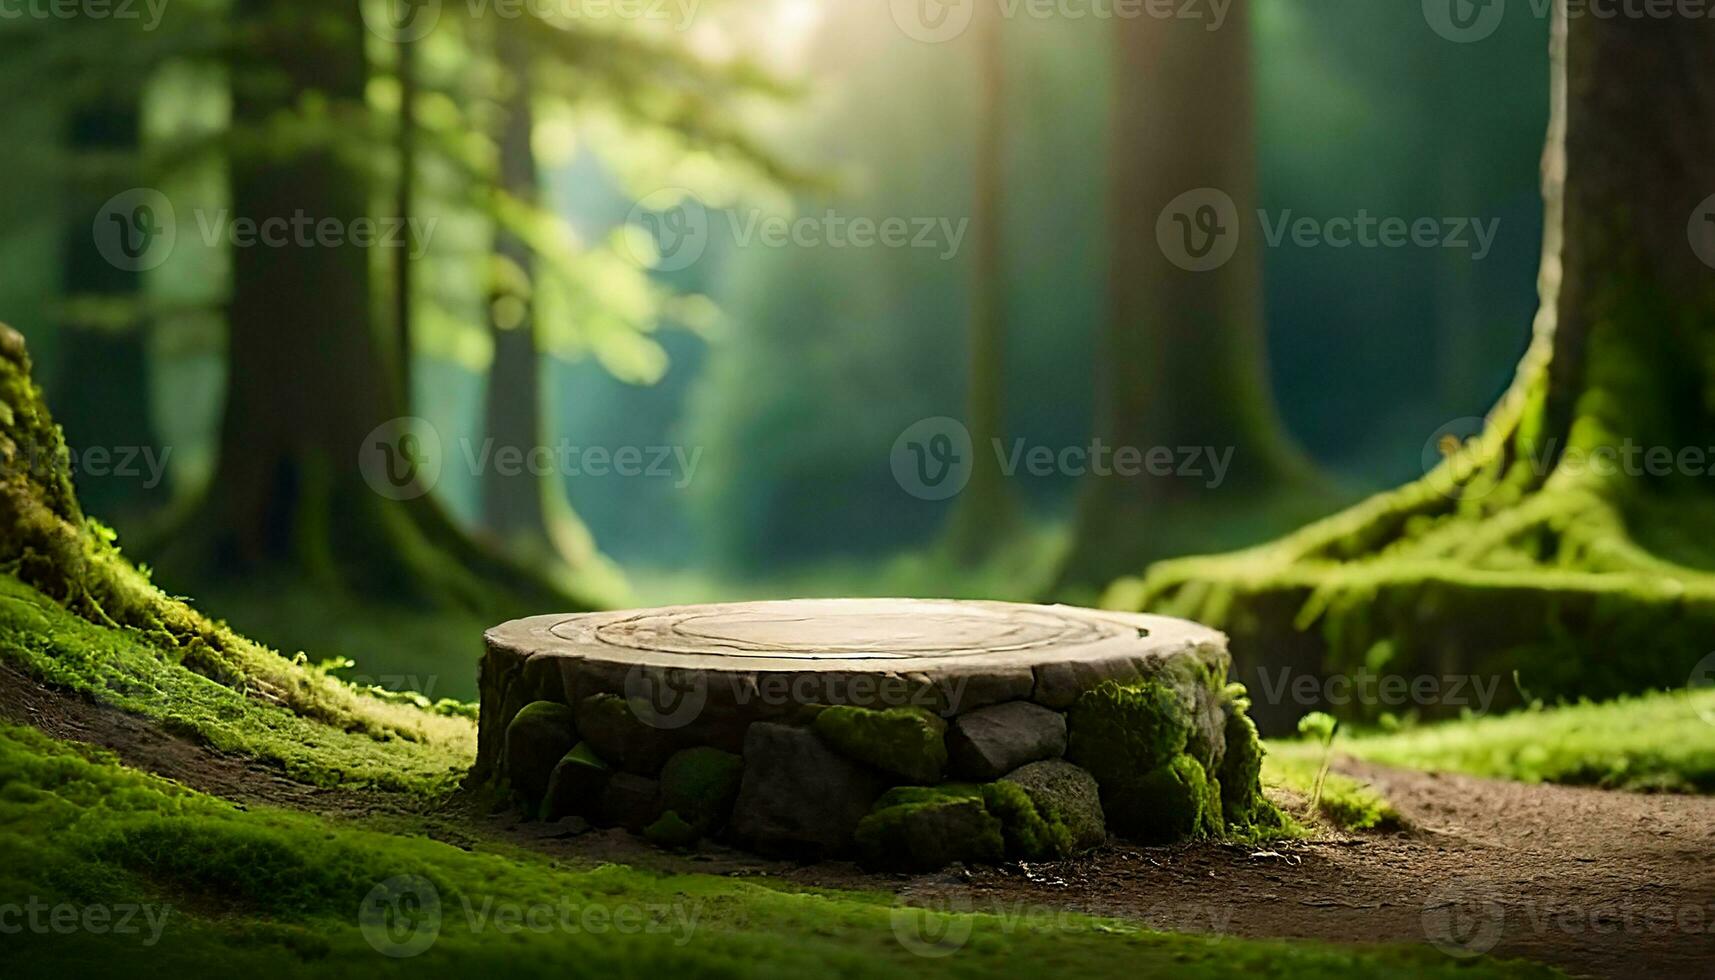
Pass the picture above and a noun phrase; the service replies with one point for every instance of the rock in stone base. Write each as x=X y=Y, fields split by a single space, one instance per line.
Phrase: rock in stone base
x=918 y=828
x=536 y=740
x=798 y=795
x=1066 y=797
x=699 y=786
x=630 y=801
x=609 y=724
x=576 y=786
x=990 y=742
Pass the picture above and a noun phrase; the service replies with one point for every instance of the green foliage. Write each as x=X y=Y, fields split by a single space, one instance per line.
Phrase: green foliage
x=908 y=742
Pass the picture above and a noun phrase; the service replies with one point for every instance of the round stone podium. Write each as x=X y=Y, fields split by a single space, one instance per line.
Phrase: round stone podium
x=912 y=732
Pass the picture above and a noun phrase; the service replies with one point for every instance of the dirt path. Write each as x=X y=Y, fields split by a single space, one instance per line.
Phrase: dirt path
x=1598 y=883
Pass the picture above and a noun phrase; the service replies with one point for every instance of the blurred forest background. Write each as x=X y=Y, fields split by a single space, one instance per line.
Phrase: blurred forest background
x=542 y=161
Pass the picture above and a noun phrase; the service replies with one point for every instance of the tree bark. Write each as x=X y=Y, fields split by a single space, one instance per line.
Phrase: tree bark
x=102 y=395
x=528 y=511
x=405 y=208
x=986 y=508
x=310 y=376
x=1183 y=360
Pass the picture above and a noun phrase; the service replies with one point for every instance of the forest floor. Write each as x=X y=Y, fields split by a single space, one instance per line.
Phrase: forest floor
x=1596 y=882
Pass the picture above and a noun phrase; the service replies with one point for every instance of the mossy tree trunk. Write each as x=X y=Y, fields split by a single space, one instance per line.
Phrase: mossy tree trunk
x=1183 y=360
x=102 y=391
x=310 y=375
x=1567 y=545
x=528 y=511
x=987 y=510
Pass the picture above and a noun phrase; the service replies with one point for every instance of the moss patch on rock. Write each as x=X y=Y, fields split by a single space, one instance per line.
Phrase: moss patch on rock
x=576 y=784
x=1064 y=801
x=1116 y=732
x=1244 y=809
x=698 y=786
x=922 y=828
x=907 y=742
x=1168 y=804
x=672 y=831
x=537 y=738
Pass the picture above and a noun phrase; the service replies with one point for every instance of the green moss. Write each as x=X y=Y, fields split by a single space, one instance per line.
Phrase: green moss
x=924 y=828
x=672 y=831
x=1170 y=803
x=1117 y=731
x=537 y=738
x=1244 y=809
x=1655 y=742
x=403 y=749
x=1346 y=803
x=908 y=742
x=1028 y=833
x=699 y=784
x=575 y=787
x=265 y=893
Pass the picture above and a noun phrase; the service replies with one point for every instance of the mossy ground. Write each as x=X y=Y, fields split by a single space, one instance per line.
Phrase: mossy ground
x=1662 y=742
x=386 y=744
x=271 y=893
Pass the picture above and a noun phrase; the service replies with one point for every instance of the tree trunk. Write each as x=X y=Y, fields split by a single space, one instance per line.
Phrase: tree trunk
x=405 y=208
x=101 y=397
x=986 y=507
x=1183 y=362
x=1545 y=551
x=311 y=380
x=528 y=511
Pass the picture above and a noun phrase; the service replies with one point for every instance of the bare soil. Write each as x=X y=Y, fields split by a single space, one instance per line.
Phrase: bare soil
x=1598 y=883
